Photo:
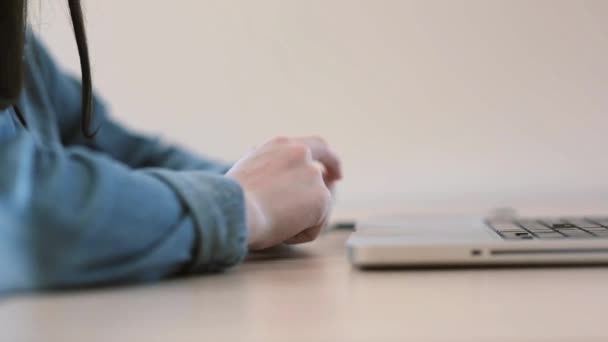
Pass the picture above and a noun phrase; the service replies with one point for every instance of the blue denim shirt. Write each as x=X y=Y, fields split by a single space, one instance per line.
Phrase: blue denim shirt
x=122 y=207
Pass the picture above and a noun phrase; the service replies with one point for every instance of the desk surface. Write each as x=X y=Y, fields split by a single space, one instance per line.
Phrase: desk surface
x=313 y=294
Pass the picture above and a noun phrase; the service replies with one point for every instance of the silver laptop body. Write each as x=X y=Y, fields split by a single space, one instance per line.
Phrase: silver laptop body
x=475 y=241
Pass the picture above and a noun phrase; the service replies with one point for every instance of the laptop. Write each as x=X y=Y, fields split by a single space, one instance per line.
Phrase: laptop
x=475 y=241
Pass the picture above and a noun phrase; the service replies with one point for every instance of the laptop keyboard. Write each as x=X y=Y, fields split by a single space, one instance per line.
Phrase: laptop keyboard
x=566 y=228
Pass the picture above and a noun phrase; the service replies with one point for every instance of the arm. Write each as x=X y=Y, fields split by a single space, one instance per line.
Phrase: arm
x=132 y=149
x=72 y=217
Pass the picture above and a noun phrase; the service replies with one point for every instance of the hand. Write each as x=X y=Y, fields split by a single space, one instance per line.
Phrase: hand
x=328 y=160
x=286 y=195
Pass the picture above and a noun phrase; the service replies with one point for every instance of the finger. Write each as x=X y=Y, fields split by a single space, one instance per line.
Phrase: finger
x=312 y=233
x=322 y=153
x=307 y=235
x=330 y=182
x=323 y=170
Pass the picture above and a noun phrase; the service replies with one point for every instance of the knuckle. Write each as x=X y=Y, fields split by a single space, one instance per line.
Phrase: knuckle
x=298 y=152
x=280 y=139
x=314 y=172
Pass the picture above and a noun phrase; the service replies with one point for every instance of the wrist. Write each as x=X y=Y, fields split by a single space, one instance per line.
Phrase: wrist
x=256 y=222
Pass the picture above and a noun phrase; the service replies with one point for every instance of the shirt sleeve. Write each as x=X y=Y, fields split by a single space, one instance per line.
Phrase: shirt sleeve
x=133 y=149
x=73 y=217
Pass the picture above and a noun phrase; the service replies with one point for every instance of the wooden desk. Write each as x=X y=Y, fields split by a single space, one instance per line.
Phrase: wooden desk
x=315 y=295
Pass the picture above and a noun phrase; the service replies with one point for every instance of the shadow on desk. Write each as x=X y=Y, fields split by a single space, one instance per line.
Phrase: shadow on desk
x=280 y=252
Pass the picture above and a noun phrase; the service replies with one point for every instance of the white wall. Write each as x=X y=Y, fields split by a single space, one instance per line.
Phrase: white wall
x=491 y=102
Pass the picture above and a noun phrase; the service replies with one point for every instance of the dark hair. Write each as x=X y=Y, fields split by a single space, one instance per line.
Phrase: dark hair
x=12 y=40
x=13 y=14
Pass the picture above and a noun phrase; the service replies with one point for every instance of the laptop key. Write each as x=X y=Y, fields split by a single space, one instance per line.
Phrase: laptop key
x=583 y=223
x=577 y=234
x=542 y=230
x=563 y=226
x=596 y=229
x=551 y=222
x=567 y=229
x=552 y=235
x=601 y=221
x=534 y=226
x=507 y=227
x=516 y=235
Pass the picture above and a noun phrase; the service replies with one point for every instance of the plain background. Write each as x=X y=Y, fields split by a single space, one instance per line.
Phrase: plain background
x=429 y=103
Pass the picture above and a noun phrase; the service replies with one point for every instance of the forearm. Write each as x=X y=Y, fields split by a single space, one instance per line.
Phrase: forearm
x=142 y=151
x=79 y=218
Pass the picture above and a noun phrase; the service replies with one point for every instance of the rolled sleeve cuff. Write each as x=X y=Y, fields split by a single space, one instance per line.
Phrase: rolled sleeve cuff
x=217 y=205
